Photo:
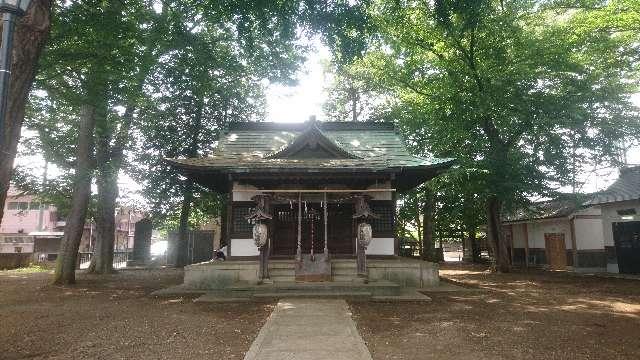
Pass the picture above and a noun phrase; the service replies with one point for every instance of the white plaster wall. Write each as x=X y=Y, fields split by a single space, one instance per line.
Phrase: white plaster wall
x=244 y=195
x=610 y=215
x=588 y=234
x=244 y=247
x=518 y=236
x=539 y=228
x=381 y=195
x=591 y=211
x=381 y=246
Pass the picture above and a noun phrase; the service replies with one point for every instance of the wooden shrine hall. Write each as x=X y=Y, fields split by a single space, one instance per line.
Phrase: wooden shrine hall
x=307 y=197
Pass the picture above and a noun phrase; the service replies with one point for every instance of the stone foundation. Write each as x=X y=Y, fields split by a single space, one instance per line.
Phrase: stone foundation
x=404 y=272
x=220 y=274
x=223 y=274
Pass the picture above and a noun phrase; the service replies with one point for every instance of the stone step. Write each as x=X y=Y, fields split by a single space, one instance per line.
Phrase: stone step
x=346 y=278
x=282 y=272
x=314 y=294
x=343 y=263
x=344 y=273
x=282 y=265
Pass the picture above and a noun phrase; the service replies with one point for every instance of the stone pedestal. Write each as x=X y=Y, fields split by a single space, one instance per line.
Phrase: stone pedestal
x=316 y=269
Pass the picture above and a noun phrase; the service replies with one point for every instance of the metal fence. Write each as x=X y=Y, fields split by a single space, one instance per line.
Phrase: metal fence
x=120 y=259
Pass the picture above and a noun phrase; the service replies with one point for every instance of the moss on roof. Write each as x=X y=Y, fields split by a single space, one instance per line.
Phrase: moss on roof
x=248 y=146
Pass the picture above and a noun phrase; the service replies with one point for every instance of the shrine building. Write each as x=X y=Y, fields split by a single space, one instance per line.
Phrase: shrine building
x=304 y=199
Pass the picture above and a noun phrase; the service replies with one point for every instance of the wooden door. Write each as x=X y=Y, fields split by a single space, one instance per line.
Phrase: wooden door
x=556 y=251
x=340 y=232
x=285 y=230
x=626 y=236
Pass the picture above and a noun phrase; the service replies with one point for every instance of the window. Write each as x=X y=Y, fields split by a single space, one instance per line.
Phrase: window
x=384 y=225
x=240 y=224
x=18 y=205
x=18 y=249
x=34 y=205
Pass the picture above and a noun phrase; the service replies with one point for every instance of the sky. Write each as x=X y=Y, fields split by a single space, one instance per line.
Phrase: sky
x=297 y=103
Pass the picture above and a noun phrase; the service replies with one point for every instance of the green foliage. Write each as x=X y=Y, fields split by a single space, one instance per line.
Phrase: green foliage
x=522 y=93
x=211 y=73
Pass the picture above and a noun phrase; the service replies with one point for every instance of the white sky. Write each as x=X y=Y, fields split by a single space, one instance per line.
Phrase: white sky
x=298 y=103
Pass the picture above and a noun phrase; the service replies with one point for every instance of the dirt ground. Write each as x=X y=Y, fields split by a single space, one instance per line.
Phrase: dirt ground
x=530 y=315
x=113 y=318
x=534 y=315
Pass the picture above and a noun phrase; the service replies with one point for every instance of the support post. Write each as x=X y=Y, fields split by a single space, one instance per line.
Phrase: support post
x=574 y=247
x=361 y=257
x=299 y=249
x=326 y=245
x=526 y=245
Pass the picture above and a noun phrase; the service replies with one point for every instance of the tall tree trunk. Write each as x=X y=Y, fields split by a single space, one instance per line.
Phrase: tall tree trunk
x=187 y=194
x=428 y=244
x=109 y=162
x=65 y=272
x=354 y=103
x=475 y=247
x=494 y=235
x=31 y=34
x=183 y=231
x=102 y=261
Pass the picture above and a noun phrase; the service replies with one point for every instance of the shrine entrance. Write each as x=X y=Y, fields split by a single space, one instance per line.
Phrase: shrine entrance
x=340 y=235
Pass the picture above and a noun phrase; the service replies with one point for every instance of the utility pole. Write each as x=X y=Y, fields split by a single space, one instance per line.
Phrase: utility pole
x=10 y=9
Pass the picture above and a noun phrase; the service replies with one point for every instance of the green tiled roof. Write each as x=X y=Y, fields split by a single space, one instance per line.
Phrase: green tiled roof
x=247 y=146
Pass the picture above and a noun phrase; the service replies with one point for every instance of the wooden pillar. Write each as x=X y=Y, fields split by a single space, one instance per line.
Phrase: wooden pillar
x=299 y=249
x=574 y=246
x=264 y=260
x=228 y=222
x=326 y=212
x=396 y=242
x=511 y=241
x=526 y=245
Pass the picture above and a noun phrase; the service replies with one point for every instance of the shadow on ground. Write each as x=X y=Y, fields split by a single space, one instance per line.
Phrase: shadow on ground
x=112 y=317
x=524 y=315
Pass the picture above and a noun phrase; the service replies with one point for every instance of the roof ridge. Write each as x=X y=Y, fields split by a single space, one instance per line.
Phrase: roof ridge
x=315 y=135
x=301 y=126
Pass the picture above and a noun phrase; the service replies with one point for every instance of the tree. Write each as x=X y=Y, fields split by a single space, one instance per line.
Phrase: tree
x=86 y=71
x=499 y=85
x=211 y=75
x=351 y=98
x=31 y=34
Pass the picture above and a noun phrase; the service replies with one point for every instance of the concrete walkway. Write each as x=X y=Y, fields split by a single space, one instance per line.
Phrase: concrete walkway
x=309 y=329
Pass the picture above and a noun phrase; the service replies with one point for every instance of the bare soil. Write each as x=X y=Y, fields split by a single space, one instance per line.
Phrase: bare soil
x=522 y=315
x=113 y=317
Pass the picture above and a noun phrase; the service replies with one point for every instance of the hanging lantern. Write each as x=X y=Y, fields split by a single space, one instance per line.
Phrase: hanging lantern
x=365 y=234
x=260 y=234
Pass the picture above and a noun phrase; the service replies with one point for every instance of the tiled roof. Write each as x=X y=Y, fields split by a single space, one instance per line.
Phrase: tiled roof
x=249 y=145
x=562 y=206
x=626 y=187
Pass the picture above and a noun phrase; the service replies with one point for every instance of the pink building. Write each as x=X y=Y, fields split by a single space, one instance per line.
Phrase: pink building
x=29 y=227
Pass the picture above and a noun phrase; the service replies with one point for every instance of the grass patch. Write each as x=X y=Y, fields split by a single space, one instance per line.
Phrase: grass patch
x=32 y=268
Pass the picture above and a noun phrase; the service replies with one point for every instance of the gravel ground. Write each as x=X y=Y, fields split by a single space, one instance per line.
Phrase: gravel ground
x=112 y=317
x=533 y=315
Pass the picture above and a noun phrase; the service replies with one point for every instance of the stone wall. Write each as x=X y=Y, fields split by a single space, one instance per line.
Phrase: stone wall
x=220 y=274
x=405 y=272
x=15 y=260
